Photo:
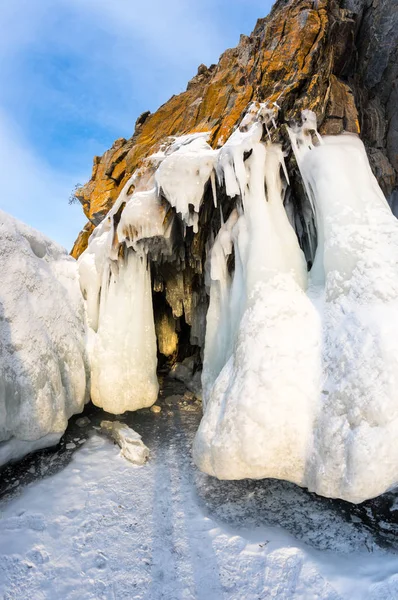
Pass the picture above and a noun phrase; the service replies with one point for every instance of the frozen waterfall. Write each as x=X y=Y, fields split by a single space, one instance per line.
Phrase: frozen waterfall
x=300 y=373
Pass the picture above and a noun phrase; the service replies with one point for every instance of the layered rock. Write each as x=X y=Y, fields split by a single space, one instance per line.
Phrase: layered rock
x=320 y=56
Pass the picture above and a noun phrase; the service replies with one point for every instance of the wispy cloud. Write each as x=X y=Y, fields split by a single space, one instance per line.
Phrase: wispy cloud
x=75 y=75
x=34 y=192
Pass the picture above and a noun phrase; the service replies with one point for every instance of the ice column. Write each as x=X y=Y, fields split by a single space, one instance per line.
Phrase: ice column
x=260 y=411
x=115 y=280
x=123 y=351
x=356 y=454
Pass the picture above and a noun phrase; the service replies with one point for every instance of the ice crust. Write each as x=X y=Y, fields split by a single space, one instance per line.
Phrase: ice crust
x=301 y=383
x=43 y=362
x=130 y=442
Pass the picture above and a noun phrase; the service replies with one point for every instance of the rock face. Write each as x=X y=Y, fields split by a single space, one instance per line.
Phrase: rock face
x=373 y=77
x=325 y=56
x=322 y=56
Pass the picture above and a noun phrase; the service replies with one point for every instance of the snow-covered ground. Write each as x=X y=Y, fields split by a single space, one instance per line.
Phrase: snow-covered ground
x=92 y=526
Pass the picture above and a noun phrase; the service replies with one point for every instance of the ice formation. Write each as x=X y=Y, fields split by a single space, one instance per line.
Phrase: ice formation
x=115 y=272
x=302 y=384
x=299 y=370
x=130 y=442
x=117 y=289
x=43 y=366
x=261 y=366
x=183 y=174
x=355 y=274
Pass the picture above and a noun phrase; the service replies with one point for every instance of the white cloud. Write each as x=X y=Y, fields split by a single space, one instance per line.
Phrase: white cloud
x=33 y=192
x=176 y=30
x=93 y=65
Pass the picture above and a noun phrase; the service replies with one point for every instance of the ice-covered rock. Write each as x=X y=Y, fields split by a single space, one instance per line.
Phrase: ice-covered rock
x=299 y=372
x=115 y=274
x=302 y=384
x=117 y=291
x=130 y=442
x=43 y=366
x=123 y=350
x=355 y=287
x=262 y=354
x=184 y=172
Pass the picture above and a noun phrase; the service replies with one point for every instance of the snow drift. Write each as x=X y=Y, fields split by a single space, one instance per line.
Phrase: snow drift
x=42 y=340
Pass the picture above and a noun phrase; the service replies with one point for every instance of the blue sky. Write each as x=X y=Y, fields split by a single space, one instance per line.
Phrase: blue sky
x=76 y=74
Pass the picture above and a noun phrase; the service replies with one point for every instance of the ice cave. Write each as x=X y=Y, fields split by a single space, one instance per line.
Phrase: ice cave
x=294 y=322
x=199 y=399
x=299 y=365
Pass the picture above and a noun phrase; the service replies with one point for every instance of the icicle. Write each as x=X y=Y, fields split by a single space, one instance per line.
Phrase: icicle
x=218 y=329
x=261 y=330
x=221 y=216
x=213 y=187
x=123 y=351
x=183 y=174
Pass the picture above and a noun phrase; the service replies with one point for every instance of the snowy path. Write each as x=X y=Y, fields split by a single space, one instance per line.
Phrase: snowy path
x=102 y=529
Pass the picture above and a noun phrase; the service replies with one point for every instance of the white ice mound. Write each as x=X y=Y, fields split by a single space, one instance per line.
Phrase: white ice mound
x=355 y=437
x=303 y=385
x=262 y=353
x=42 y=340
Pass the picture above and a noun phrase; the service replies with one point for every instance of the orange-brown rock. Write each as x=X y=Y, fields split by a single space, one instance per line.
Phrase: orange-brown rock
x=301 y=56
x=82 y=240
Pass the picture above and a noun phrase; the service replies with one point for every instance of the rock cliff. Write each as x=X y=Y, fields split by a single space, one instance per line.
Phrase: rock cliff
x=337 y=58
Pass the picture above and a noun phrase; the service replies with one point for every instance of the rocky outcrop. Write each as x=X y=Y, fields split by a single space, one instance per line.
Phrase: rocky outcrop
x=335 y=57
x=300 y=56
x=373 y=78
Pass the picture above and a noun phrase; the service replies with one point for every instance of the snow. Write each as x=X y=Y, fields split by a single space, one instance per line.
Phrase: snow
x=183 y=174
x=43 y=379
x=101 y=529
